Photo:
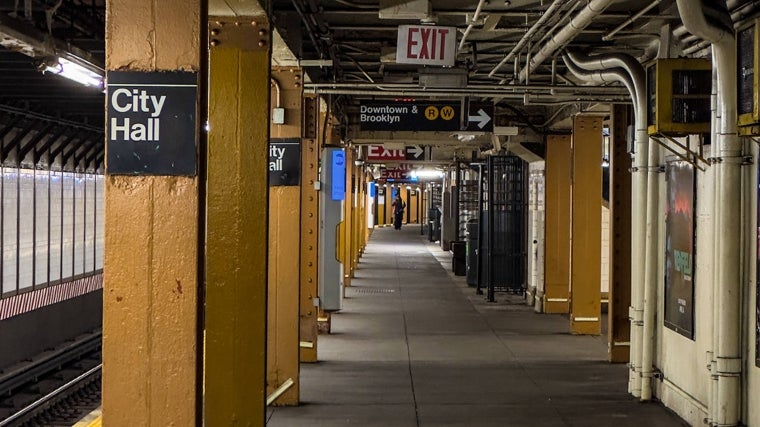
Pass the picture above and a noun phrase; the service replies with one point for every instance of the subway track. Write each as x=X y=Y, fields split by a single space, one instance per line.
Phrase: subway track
x=56 y=388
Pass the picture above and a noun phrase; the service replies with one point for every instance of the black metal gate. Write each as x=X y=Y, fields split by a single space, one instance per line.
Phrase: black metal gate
x=503 y=218
x=467 y=197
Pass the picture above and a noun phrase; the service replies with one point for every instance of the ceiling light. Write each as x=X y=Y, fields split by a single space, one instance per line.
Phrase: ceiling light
x=84 y=75
x=427 y=173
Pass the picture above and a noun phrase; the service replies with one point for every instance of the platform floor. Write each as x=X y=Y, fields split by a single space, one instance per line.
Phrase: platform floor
x=415 y=346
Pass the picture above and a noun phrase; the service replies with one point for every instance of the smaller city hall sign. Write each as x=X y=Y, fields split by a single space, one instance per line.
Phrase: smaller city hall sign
x=152 y=123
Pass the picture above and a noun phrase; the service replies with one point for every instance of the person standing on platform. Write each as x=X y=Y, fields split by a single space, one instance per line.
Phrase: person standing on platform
x=398 y=212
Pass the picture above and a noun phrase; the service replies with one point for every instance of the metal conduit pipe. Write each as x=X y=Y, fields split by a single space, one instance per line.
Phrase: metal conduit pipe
x=471 y=23
x=640 y=198
x=590 y=97
x=630 y=20
x=728 y=151
x=577 y=24
x=467 y=89
x=550 y=11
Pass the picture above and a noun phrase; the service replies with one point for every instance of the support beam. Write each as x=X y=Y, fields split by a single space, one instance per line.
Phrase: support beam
x=557 y=239
x=619 y=328
x=585 y=248
x=284 y=263
x=238 y=155
x=309 y=233
x=150 y=273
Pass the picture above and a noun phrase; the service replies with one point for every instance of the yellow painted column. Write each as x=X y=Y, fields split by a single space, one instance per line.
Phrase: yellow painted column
x=284 y=262
x=150 y=298
x=382 y=199
x=236 y=269
x=586 y=243
x=414 y=206
x=557 y=225
x=348 y=223
x=309 y=232
x=619 y=327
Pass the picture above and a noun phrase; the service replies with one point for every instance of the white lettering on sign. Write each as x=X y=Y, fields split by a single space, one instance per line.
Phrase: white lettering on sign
x=136 y=101
x=426 y=44
x=276 y=154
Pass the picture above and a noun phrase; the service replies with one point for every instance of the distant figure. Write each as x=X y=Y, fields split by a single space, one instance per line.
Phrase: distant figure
x=398 y=212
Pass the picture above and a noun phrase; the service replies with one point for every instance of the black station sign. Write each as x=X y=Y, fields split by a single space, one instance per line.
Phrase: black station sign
x=152 y=123
x=284 y=162
x=409 y=116
x=423 y=116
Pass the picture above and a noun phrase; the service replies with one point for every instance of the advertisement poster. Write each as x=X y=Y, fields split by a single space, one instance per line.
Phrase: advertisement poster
x=679 y=249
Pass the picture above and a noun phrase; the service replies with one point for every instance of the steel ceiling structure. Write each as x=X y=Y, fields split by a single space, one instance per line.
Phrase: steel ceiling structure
x=509 y=53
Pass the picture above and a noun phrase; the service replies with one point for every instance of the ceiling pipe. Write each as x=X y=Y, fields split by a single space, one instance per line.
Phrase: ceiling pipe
x=550 y=11
x=471 y=24
x=493 y=89
x=727 y=152
x=631 y=73
x=577 y=24
x=630 y=20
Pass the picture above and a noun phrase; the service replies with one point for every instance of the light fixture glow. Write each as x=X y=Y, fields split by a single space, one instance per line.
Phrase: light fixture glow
x=74 y=71
x=427 y=173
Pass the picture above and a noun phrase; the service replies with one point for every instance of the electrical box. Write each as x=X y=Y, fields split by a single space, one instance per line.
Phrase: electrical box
x=678 y=96
x=747 y=79
x=331 y=228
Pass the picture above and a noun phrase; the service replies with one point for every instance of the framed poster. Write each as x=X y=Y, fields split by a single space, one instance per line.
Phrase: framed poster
x=679 y=248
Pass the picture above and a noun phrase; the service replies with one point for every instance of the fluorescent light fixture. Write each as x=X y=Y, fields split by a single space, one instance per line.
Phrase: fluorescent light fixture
x=74 y=71
x=427 y=173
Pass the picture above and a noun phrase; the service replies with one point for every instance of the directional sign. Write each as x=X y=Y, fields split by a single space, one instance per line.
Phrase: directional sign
x=415 y=152
x=404 y=116
x=480 y=118
x=378 y=152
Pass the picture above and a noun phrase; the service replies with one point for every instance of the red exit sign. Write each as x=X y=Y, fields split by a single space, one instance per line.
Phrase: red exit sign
x=426 y=44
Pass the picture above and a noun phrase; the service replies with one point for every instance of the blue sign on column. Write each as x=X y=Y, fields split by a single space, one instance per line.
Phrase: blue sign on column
x=338 y=178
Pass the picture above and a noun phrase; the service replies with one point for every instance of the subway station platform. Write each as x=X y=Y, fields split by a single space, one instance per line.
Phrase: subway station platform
x=415 y=346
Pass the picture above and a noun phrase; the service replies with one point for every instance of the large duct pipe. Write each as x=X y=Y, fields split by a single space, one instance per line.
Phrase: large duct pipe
x=550 y=11
x=577 y=24
x=713 y=23
x=639 y=201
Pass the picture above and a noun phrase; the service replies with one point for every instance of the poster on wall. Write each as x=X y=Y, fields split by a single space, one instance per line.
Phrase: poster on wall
x=757 y=279
x=679 y=248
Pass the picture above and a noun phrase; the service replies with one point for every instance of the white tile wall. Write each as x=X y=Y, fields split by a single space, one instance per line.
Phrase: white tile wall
x=605 y=249
x=10 y=245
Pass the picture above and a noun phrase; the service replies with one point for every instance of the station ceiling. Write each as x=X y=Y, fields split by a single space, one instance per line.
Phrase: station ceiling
x=347 y=48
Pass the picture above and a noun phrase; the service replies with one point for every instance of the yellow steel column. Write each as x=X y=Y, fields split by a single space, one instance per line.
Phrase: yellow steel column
x=382 y=200
x=284 y=264
x=557 y=226
x=348 y=209
x=413 y=206
x=586 y=239
x=619 y=330
x=309 y=231
x=236 y=271
x=151 y=246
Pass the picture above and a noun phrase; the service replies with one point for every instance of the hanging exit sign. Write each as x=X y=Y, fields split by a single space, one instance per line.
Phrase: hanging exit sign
x=426 y=45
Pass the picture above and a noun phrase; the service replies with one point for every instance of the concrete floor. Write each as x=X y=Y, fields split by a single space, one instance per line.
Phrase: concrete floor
x=415 y=346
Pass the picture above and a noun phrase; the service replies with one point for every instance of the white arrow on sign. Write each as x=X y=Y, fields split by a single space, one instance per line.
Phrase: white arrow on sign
x=416 y=150
x=481 y=119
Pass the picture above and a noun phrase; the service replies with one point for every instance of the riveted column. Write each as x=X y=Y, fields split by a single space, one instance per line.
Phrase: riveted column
x=557 y=227
x=238 y=156
x=348 y=221
x=150 y=298
x=619 y=329
x=586 y=243
x=284 y=228
x=309 y=232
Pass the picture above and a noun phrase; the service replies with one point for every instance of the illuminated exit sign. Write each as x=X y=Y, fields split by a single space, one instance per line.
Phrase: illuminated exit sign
x=426 y=45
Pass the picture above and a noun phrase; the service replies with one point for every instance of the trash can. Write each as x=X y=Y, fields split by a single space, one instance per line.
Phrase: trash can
x=434 y=224
x=458 y=259
x=471 y=231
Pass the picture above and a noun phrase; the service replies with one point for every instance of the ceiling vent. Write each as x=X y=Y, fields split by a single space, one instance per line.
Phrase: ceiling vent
x=443 y=77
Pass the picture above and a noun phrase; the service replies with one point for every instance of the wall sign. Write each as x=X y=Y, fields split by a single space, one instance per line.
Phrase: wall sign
x=679 y=249
x=338 y=178
x=284 y=162
x=152 y=123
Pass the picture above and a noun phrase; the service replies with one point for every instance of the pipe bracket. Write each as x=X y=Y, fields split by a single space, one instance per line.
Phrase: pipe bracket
x=729 y=366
